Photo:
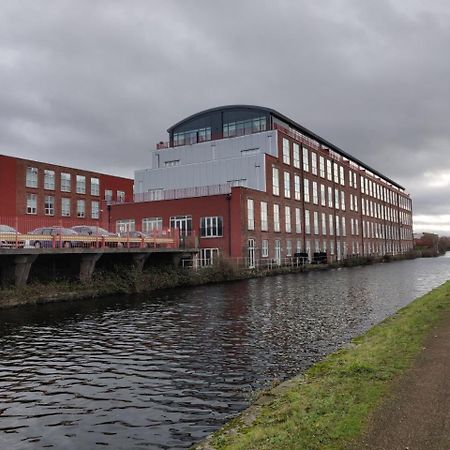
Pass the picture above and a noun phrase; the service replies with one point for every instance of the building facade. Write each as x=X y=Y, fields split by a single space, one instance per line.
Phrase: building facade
x=42 y=194
x=251 y=183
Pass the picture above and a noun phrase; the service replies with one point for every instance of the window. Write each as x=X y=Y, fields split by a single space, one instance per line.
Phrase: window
x=65 y=207
x=108 y=195
x=49 y=179
x=81 y=184
x=329 y=171
x=287 y=185
x=330 y=223
x=211 y=226
x=172 y=163
x=241 y=127
x=336 y=199
x=341 y=176
x=343 y=200
x=338 y=233
x=264 y=221
x=208 y=255
x=265 y=248
x=314 y=163
x=297 y=187
x=95 y=210
x=124 y=225
x=315 y=193
x=305 y=160
x=286 y=152
x=276 y=217
x=31 y=204
x=298 y=220
x=194 y=136
x=120 y=196
x=316 y=222
x=330 y=197
x=336 y=173
x=49 y=205
x=344 y=228
x=287 y=219
x=322 y=195
x=65 y=182
x=324 y=224
x=32 y=178
x=95 y=186
x=81 y=208
x=181 y=223
x=151 y=223
x=322 y=166
x=307 y=222
x=288 y=247
x=275 y=182
x=306 y=190
x=296 y=155
x=250 y=214
x=298 y=246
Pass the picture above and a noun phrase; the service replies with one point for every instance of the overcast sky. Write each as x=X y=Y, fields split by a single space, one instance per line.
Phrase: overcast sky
x=95 y=84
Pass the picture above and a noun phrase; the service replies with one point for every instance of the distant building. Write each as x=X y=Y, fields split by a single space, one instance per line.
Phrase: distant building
x=251 y=183
x=38 y=194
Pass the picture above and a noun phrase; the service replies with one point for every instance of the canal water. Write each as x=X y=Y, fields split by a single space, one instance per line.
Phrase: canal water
x=165 y=370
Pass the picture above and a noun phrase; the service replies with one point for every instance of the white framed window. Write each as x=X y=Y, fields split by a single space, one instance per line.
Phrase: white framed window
x=305 y=159
x=287 y=184
x=362 y=185
x=124 y=225
x=341 y=176
x=315 y=193
x=208 y=255
x=264 y=219
x=344 y=227
x=338 y=230
x=316 y=222
x=307 y=222
x=81 y=208
x=95 y=210
x=95 y=186
x=355 y=184
x=323 y=200
x=296 y=155
x=324 y=224
x=250 y=214
x=31 y=204
x=151 y=223
x=330 y=197
x=65 y=207
x=343 y=200
x=121 y=196
x=276 y=217
x=350 y=178
x=264 y=248
x=288 y=247
x=108 y=195
x=211 y=226
x=298 y=220
x=336 y=172
x=65 y=182
x=322 y=166
x=331 y=225
x=287 y=219
x=81 y=184
x=329 y=170
x=297 y=194
x=275 y=181
x=49 y=179
x=286 y=151
x=313 y=163
x=306 y=190
x=336 y=199
x=298 y=246
x=49 y=205
x=31 y=178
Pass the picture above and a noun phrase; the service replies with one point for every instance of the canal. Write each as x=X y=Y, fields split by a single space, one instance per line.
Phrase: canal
x=165 y=370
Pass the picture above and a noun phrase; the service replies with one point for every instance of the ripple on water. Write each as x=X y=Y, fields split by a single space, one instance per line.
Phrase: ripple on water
x=163 y=372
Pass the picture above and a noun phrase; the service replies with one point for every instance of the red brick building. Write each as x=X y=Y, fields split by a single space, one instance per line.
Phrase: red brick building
x=251 y=183
x=38 y=194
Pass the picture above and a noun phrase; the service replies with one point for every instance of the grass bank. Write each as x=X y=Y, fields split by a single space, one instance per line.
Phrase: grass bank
x=329 y=406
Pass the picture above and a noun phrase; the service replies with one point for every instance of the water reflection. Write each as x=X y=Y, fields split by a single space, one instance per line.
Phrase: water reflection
x=164 y=371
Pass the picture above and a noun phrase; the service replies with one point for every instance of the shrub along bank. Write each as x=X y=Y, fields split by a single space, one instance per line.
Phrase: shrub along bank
x=329 y=406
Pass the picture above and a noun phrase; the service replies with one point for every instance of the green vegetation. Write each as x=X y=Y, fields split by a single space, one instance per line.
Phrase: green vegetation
x=330 y=404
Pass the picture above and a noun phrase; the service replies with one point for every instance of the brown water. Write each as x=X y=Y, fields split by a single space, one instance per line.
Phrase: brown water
x=165 y=370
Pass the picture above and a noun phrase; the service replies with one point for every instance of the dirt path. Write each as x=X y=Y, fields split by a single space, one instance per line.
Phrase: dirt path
x=417 y=414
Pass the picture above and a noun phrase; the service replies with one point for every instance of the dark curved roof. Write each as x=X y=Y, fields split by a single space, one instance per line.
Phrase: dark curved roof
x=292 y=123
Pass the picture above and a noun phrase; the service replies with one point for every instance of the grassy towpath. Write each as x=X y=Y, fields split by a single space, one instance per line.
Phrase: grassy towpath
x=348 y=400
